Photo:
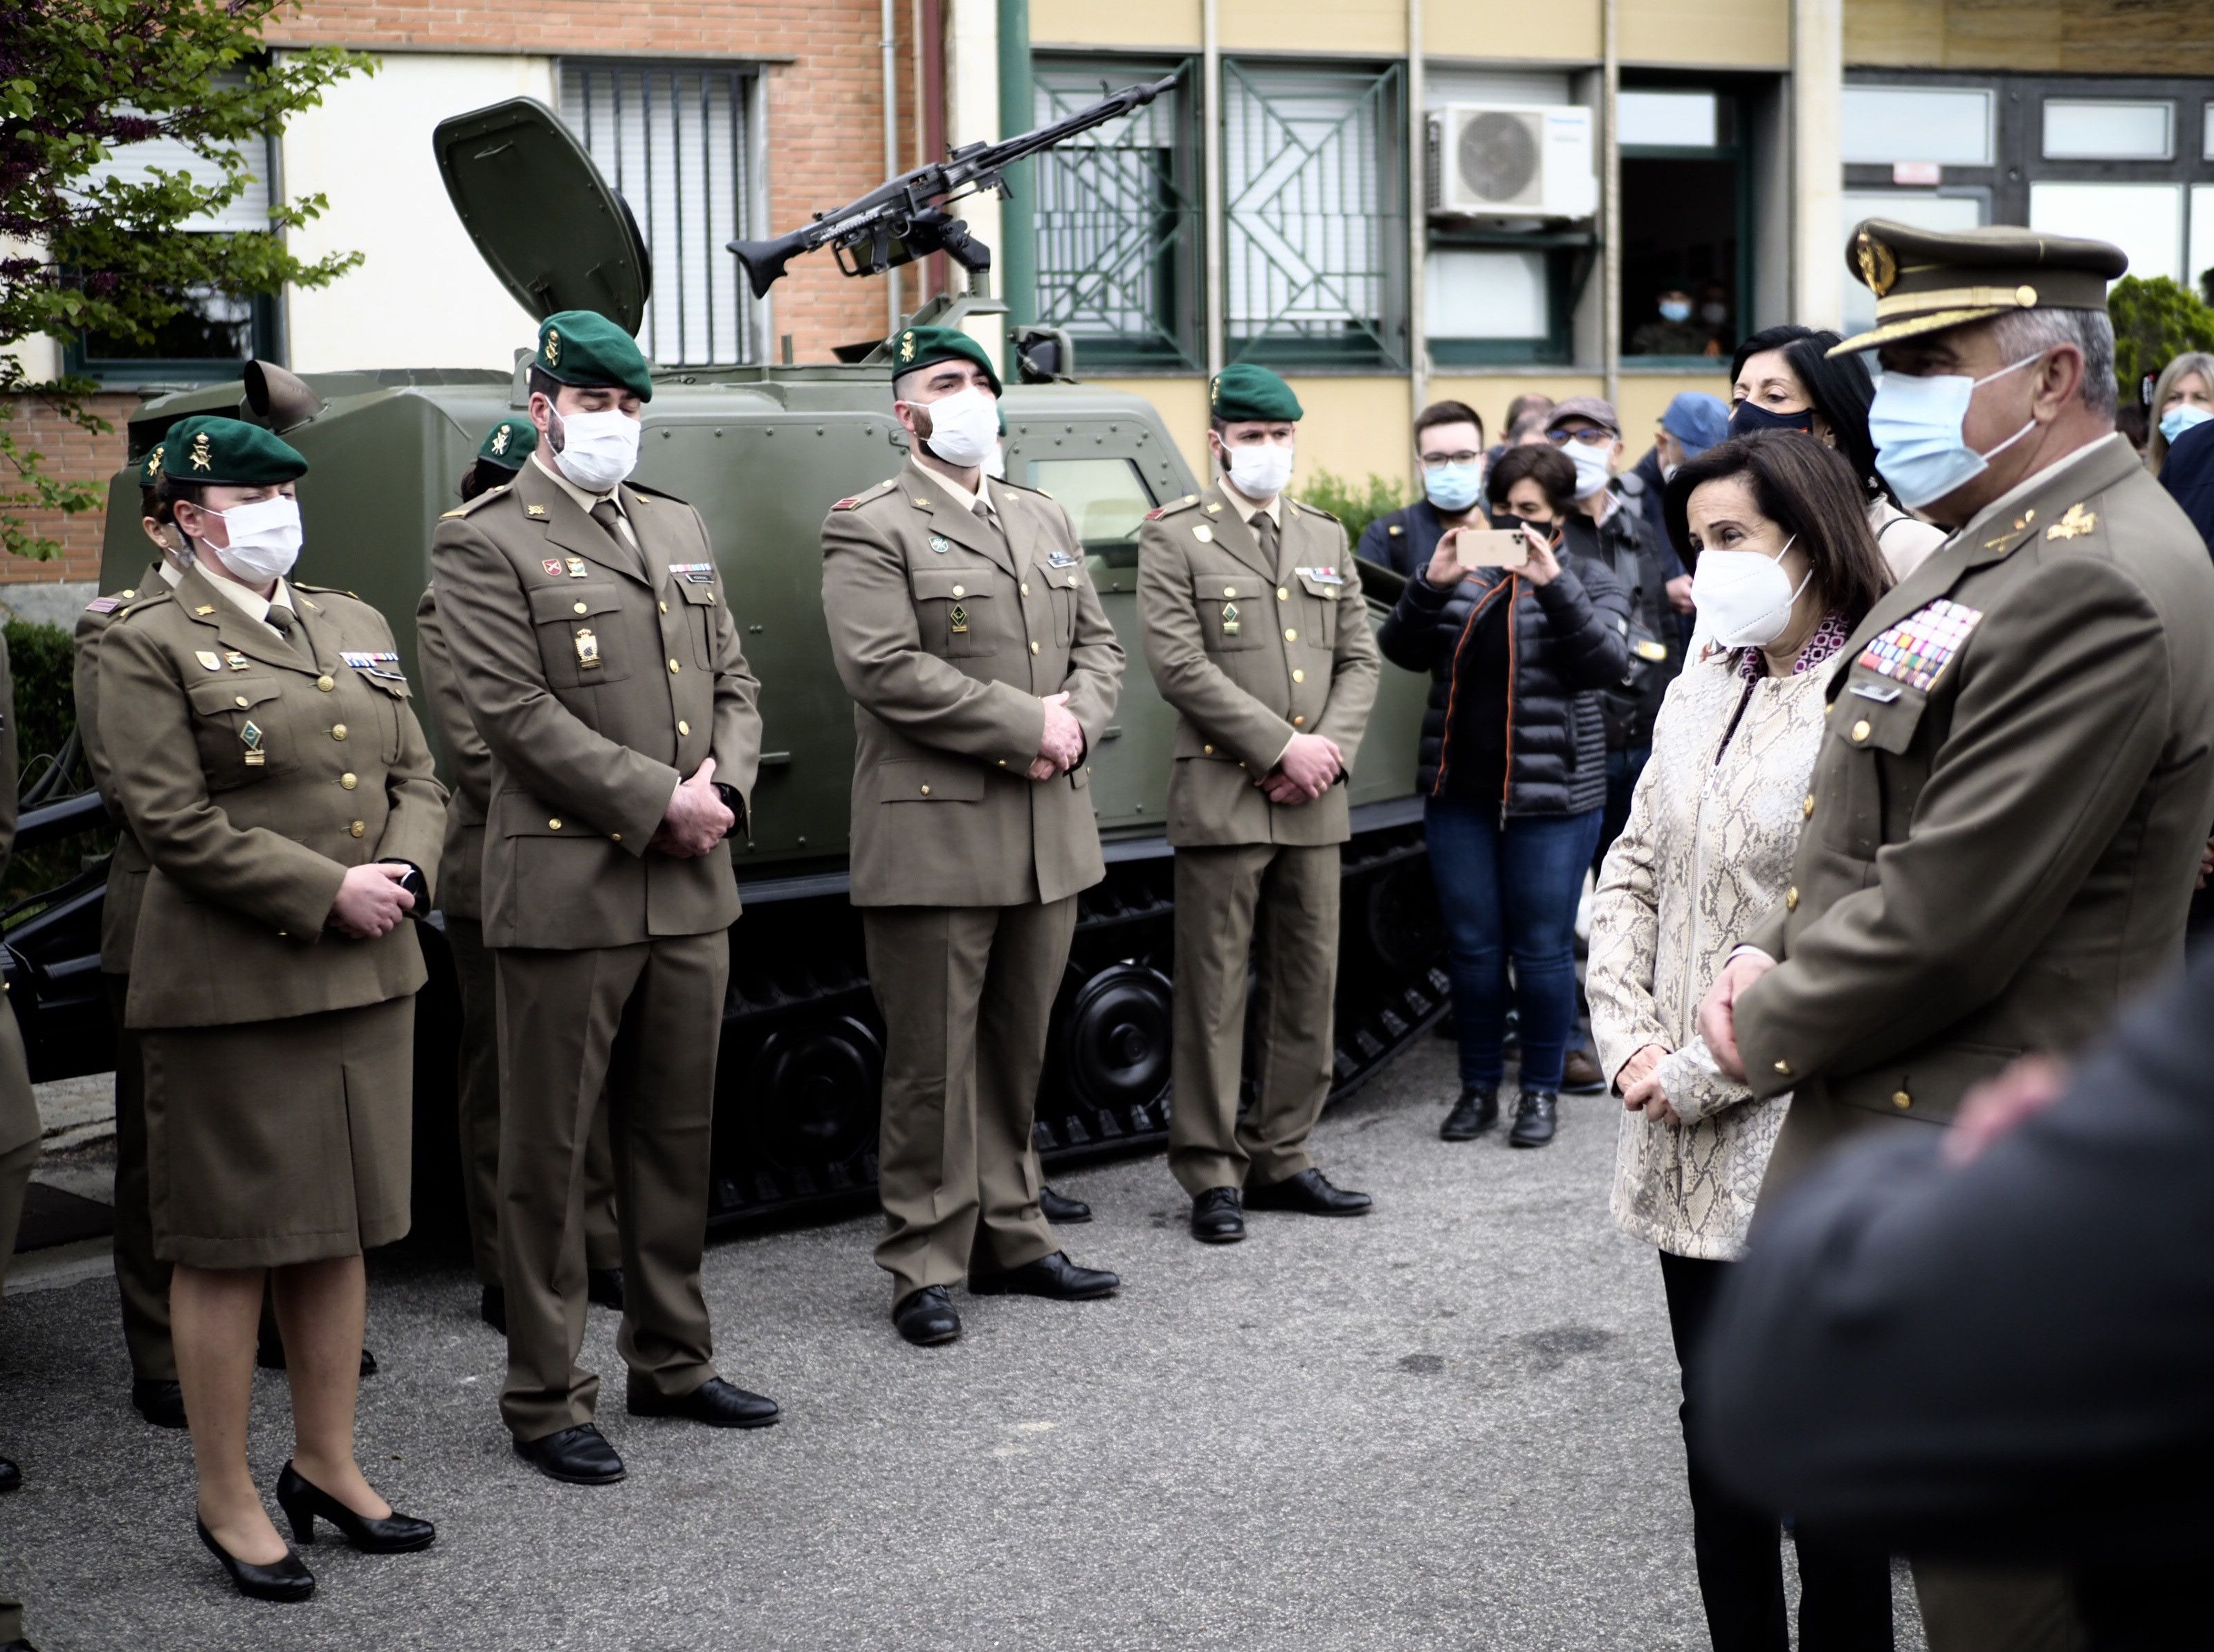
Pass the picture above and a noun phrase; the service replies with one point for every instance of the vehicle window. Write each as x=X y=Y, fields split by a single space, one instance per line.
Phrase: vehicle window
x=1105 y=498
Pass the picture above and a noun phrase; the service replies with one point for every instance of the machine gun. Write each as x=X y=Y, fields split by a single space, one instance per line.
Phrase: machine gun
x=905 y=219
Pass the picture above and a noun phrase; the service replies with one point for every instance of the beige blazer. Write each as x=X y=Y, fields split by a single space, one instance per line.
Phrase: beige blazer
x=128 y=866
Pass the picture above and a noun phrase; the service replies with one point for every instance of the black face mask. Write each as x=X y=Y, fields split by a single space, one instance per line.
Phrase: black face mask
x=1745 y=419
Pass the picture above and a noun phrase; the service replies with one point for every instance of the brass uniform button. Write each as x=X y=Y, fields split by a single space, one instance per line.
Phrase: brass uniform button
x=552 y=825
x=1207 y=750
x=1783 y=1068
x=925 y=791
x=243 y=701
x=1291 y=636
x=357 y=828
x=1003 y=762
x=1283 y=595
x=1026 y=591
x=1298 y=722
x=684 y=727
x=1901 y=1100
x=325 y=684
x=337 y=731
x=1807 y=809
x=1034 y=648
x=614 y=838
x=960 y=590
x=675 y=667
x=1791 y=898
x=1230 y=590
x=1299 y=676
x=1861 y=731
x=582 y=607
x=349 y=782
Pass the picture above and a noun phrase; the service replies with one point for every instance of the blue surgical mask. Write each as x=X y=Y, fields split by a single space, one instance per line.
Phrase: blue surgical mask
x=2181 y=418
x=1917 y=424
x=1452 y=488
x=1675 y=310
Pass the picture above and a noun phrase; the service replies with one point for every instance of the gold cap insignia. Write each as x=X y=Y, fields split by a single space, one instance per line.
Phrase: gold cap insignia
x=202 y=459
x=907 y=346
x=553 y=345
x=1878 y=267
x=154 y=462
x=1214 y=389
x=499 y=439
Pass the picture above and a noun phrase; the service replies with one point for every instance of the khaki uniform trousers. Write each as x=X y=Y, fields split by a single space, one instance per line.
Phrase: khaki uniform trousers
x=141 y=1279
x=967 y=993
x=15 y=1178
x=477 y=1093
x=631 y=1030
x=1280 y=901
x=1977 y=1608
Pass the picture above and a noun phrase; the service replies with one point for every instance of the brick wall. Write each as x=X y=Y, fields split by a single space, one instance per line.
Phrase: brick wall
x=78 y=455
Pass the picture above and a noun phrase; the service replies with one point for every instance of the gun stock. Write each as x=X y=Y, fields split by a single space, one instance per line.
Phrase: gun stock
x=764 y=261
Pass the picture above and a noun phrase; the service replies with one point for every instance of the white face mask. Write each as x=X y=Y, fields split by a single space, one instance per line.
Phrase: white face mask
x=964 y=427
x=595 y=450
x=1745 y=597
x=1259 y=471
x=1593 y=470
x=265 y=538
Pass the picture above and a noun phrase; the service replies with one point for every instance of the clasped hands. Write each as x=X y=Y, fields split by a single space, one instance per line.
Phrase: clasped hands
x=1309 y=768
x=696 y=819
x=1061 y=747
x=1639 y=1081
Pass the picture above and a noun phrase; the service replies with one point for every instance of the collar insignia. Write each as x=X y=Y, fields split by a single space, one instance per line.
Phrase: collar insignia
x=2074 y=522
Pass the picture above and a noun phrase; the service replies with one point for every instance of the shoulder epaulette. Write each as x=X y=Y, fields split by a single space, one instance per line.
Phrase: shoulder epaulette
x=1172 y=507
x=481 y=499
x=644 y=491
x=852 y=499
x=151 y=600
x=1314 y=510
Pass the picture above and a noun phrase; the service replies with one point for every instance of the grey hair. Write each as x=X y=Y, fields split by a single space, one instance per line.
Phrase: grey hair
x=2025 y=333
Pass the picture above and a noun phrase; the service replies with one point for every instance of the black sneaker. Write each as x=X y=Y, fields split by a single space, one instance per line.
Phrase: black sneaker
x=1535 y=1112
x=1477 y=1111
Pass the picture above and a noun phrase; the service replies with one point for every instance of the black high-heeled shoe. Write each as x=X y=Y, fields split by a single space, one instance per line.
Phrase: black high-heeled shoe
x=302 y=1501
x=289 y=1579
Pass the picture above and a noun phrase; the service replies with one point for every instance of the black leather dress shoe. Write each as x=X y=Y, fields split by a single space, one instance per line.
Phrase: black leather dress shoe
x=927 y=1316
x=11 y=1478
x=1218 y=1216
x=1059 y=1209
x=1536 y=1113
x=1477 y=1111
x=159 y=1400
x=1310 y=1194
x=1053 y=1275
x=580 y=1456
x=491 y=1308
x=717 y=1404
x=288 y=1579
x=304 y=1501
x=605 y=1286
x=1579 y=1075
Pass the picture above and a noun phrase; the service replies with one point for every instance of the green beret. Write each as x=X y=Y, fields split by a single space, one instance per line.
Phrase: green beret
x=150 y=467
x=1243 y=391
x=1926 y=280
x=508 y=444
x=917 y=347
x=228 y=452
x=583 y=348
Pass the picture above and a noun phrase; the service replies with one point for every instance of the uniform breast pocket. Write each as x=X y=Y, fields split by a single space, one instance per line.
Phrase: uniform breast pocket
x=388 y=698
x=954 y=610
x=1320 y=605
x=575 y=627
x=1063 y=588
x=700 y=604
x=242 y=735
x=1233 y=610
x=1879 y=720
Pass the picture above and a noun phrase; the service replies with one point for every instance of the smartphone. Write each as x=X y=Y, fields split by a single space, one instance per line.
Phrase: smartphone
x=1492 y=548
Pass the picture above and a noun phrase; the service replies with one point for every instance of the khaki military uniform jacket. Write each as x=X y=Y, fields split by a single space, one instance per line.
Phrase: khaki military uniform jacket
x=947 y=633
x=599 y=677
x=468 y=766
x=1250 y=654
x=1996 y=852
x=248 y=856
x=128 y=866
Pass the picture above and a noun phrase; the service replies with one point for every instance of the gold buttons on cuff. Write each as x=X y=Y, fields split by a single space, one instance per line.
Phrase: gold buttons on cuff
x=1298 y=722
x=325 y=684
x=1861 y=731
x=1034 y=648
x=1791 y=898
x=1784 y=1069
x=1291 y=636
x=1901 y=1100
x=244 y=701
x=1299 y=676
x=925 y=791
x=1283 y=595
x=357 y=828
x=674 y=666
x=684 y=727
x=1806 y=807
x=553 y=825
x=349 y=782
x=337 y=731
x=585 y=608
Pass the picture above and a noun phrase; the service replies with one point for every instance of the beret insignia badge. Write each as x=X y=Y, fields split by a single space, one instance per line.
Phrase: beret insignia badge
x=1878 y=267
x=499 y=439
x=202 y=459
x=554 y=346
x=154 y=462
x=907 y=346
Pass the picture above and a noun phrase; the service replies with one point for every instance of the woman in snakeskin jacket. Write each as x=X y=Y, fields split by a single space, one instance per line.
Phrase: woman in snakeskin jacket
x=1786 y=569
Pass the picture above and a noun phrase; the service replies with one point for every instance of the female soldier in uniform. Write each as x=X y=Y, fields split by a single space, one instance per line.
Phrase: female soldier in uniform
x=266 y=756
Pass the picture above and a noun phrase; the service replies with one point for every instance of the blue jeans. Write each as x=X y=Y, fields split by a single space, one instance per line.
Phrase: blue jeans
x=1510 y=892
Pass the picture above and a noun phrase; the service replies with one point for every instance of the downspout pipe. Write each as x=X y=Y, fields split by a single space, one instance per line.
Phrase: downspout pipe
x=1210 y=105
x=888 y=49
x=1018 y=250
x=1610 y=198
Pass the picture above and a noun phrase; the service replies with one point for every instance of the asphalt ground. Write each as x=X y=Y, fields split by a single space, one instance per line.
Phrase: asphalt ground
x=1449 y=1424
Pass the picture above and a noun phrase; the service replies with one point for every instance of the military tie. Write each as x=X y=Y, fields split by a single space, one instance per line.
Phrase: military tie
x=287 y=623
x=1264 y=534
x=609 y=518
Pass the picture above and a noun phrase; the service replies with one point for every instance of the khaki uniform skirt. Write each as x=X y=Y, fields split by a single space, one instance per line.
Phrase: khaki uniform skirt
x=272 y=1142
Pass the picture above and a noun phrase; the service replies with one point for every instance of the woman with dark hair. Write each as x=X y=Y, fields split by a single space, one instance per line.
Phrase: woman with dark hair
x=499 y=456
x=1513 y=760
x=1784 y=378
x=1788 y=569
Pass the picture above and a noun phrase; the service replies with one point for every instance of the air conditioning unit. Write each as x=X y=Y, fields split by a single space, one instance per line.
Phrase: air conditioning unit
x=1512 y=161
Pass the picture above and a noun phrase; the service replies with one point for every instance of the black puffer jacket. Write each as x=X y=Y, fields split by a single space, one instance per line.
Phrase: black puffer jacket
x=1571 y=640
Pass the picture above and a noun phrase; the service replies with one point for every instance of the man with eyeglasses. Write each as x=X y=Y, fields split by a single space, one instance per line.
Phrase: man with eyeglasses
x=1449 y=441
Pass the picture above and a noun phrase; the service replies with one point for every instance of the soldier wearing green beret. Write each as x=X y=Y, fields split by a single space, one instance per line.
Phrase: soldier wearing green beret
x=506 y=445
x=983 y=672
x=274 y=998
x=1257 y=633
x=598 y=661
x=2005 y=822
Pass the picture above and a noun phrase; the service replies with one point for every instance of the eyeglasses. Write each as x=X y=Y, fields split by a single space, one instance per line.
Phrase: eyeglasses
x=1439 y=461
x=1591 y=435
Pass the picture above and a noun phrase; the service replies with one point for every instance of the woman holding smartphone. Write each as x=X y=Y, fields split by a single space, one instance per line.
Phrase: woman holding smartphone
x=1513 y=765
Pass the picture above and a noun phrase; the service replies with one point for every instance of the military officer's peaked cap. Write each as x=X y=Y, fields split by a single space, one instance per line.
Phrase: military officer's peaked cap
x=228 y=453
x=508 y=444
x=914 y=348
x=582 y=348
x=1926 y=279
x=1243 y=391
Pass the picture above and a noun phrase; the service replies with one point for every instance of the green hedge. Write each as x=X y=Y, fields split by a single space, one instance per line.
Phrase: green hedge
x=1355 y=504
x=39 y=659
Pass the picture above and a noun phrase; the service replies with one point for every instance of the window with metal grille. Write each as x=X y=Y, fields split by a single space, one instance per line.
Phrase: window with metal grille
x=671 y=139
x=1118 y=217
x=1314 y=234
